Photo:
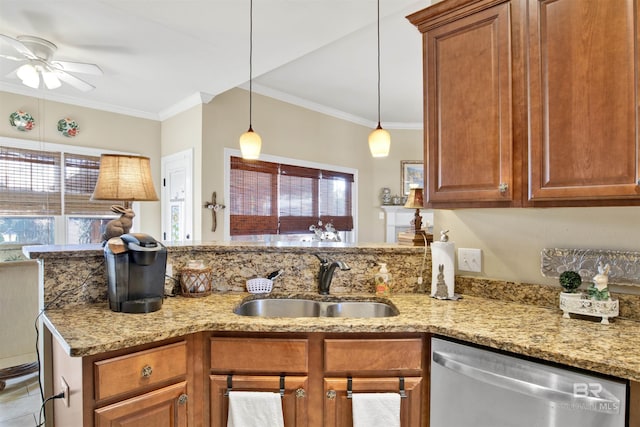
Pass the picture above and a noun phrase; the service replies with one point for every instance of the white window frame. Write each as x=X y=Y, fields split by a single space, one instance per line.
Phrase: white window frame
x=60 y=222
x=232 y=152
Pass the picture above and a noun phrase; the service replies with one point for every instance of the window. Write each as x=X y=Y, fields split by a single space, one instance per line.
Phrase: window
x=45 y=195
x=278 y=198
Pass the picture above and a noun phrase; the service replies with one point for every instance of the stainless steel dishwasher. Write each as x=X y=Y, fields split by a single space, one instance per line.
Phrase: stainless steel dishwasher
x=475 y=387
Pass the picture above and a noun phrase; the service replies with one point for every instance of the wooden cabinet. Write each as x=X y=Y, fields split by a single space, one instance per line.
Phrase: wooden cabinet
x=583 y=62
x=531 y=102
x=149 y=385
x=313 y=374
x=166 y=407
x=373 y=366
x=260 y=364
x=468 y=126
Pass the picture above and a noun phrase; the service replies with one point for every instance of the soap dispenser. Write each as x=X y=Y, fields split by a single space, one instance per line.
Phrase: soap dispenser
x=382 y=281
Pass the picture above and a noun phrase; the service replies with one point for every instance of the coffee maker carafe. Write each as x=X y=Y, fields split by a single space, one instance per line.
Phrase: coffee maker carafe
x=136 y=265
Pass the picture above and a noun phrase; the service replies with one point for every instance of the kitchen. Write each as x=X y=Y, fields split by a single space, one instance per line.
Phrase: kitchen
x=511 y=239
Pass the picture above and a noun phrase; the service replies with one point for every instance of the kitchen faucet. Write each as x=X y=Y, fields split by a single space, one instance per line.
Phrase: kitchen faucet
x=326 y=273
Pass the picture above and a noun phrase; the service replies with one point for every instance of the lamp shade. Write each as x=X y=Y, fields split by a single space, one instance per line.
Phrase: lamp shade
x=250 y=145
x=124 y=177
x=379 y=142
x=415 y=199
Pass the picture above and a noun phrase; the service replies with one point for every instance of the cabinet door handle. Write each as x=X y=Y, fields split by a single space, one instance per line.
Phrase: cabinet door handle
x=182 y=399
x=300 y=393
x=503 y=187
x=331 y=394
x=146 y=371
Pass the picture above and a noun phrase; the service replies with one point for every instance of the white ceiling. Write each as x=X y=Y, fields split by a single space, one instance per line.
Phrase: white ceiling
x=162 y=56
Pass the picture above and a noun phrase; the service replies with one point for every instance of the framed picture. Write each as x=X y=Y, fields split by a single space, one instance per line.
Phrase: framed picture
x=411 y=175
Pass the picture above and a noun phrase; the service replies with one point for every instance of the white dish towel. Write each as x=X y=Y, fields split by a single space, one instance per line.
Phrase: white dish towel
x=376 y=409
x=255 y=409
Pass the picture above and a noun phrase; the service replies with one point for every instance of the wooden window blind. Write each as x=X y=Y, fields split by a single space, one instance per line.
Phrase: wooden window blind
x=80 y=176
x=254 y=197
x=29 y=182
x=298 y=199
x=272 y=198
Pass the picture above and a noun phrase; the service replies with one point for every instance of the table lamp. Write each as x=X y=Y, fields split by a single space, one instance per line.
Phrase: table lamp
x=125 y=178
x=417 y=236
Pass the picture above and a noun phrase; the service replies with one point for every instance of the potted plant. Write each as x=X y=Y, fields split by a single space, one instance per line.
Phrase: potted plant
x=570 y=282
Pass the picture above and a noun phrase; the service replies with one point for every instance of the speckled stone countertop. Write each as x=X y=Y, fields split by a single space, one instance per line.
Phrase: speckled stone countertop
x=524 y=329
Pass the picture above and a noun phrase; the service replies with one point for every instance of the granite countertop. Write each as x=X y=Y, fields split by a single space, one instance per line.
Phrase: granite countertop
x=524 y=329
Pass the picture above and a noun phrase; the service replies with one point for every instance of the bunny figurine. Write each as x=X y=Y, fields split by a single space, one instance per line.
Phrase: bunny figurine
x=119 y=226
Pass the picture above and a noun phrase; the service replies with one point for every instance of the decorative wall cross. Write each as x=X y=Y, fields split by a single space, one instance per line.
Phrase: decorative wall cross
x=215 y=207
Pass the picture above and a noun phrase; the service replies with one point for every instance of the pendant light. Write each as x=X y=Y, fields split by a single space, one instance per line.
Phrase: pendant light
x=379 y=139
x=250 y=141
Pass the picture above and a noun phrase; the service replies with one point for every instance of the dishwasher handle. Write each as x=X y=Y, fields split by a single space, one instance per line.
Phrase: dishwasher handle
x=539 y=391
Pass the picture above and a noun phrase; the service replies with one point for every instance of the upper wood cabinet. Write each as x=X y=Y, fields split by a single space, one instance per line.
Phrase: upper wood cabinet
x=583 y=99
x=530 y=102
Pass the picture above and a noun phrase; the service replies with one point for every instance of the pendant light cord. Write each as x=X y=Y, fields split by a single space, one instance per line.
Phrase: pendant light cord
x=379 y=126
x=250 y=61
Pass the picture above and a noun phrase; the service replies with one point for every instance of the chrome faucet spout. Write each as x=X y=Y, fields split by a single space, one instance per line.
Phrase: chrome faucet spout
x=326 y=274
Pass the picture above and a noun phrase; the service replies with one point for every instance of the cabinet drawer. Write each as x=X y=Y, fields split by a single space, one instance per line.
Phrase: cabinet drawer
x=343 y=356
x=259 y=355
x=129 y=372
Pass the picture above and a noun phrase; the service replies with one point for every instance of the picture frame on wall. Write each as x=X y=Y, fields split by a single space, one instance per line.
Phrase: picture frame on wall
x=411 y=175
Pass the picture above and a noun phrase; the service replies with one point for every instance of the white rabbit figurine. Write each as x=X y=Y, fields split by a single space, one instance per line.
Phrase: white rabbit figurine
x=601 y=280
x=119 y=226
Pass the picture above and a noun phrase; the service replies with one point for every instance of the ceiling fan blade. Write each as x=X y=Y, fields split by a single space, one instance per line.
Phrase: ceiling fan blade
x=74 y=81
x=17 y=45
x=77 y=67
x=12 y=58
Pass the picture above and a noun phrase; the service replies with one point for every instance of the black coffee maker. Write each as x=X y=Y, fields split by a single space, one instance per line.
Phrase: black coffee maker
x=136 y=266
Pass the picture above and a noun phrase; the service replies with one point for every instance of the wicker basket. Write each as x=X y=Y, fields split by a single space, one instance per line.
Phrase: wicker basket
x=196 y=282
x=259 y=286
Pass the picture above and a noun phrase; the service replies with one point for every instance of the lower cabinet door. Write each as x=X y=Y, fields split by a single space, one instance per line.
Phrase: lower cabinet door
x=294 y=400
x=337 y=405
x=166 y=407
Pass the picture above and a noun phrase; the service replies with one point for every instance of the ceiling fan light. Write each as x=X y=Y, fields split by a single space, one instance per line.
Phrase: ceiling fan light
x=379 y=142
x=250 y=145
x=29 y=76
x=51 y=80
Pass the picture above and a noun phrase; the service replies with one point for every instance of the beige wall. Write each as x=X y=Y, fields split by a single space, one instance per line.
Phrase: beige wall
x=298 y=133
x=98 y=129
x=511 y=239
x=182 y=132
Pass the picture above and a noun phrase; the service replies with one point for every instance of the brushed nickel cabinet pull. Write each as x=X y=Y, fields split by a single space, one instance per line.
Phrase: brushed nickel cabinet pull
x=331 y=394
x=182 y=399
x=146 y=371
x=300 y=393
x=503 y=187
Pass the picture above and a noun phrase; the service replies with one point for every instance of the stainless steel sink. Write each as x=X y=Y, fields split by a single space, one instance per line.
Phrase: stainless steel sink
x=360 y=309
x=299 y=307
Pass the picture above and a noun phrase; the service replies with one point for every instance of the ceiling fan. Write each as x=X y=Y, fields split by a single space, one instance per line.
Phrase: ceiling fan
x=37 y=53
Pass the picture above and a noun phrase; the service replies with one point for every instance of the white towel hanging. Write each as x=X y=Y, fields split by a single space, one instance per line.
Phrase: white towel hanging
x=376 y=409
x=255 y=409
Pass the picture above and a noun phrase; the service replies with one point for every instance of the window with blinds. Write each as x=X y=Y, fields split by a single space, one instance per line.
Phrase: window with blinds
x=80 y=176
x=29 y=182
x=275 y=198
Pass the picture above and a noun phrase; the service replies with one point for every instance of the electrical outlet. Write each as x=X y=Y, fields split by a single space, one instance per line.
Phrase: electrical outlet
x=470 y=260
x=64 y=389
x=169 y=271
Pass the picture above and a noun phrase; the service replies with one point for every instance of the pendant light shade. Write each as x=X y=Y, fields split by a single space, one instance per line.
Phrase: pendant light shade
x=250 y=141
x=379 y=139
x=250 y=144
x=379 y=142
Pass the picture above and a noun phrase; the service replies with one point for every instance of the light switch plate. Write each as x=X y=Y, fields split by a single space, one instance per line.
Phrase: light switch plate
x=470 y=260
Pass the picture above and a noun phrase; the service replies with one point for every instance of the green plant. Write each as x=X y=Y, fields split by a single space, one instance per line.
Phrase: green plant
x=570 y=281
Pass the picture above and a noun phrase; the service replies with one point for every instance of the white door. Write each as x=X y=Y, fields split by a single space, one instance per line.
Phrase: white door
x=177 y=196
